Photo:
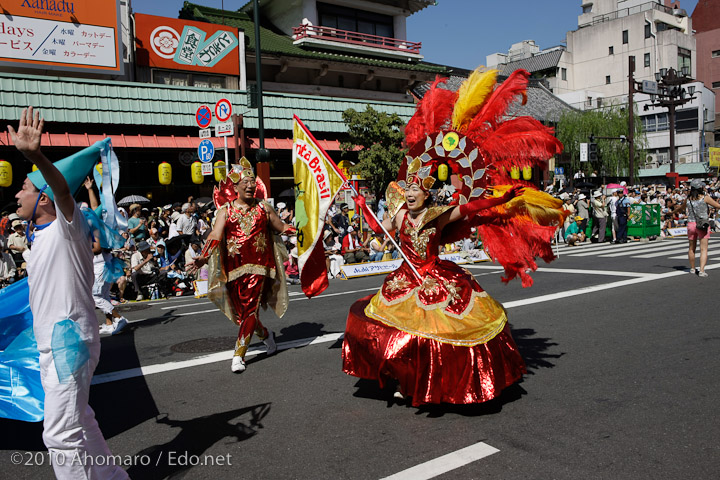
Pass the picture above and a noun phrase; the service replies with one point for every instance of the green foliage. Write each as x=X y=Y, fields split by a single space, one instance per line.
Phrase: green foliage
x=381 y=137
x=575 y=127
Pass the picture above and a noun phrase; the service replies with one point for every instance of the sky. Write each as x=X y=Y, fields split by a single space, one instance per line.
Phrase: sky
x=458 y=33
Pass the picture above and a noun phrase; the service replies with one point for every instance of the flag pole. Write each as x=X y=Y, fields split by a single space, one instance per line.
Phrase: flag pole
x=417 y=274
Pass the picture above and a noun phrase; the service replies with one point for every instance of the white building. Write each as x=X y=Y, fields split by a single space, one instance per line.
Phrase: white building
x=592 y=69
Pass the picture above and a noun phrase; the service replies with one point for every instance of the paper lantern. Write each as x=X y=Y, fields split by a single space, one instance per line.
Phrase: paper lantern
x=527 y=173
x=220 y=171
x=515 y=173
x=165 y=173
x=196 y=172
x=5 y=173
x=442 y=172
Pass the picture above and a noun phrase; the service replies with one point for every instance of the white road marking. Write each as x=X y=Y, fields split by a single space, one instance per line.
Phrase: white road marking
x=610 y=273
x=633 y=252
x=205 y=359
x=623 y=247
x=684 y=248
x=711 y=254
x=446 y=463
x=184 y=305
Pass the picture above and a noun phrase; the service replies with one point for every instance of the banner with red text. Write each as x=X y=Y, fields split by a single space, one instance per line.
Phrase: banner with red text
x=317 y=182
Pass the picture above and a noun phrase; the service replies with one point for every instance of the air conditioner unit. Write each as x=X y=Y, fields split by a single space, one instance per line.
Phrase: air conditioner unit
x=651 y=161
x=682 y=160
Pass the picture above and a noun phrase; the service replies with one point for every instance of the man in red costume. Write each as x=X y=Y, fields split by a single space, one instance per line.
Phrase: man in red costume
x=243 y=260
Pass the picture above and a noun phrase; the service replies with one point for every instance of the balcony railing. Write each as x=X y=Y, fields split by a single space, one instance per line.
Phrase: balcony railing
x=354 y=38
x=626 y=12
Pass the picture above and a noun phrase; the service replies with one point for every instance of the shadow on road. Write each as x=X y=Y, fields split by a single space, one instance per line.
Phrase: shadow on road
x=196 y=435
x=535 y=350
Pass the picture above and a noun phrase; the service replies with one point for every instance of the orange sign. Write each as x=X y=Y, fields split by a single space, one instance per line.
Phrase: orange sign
x=187 y=45
x=61 y=34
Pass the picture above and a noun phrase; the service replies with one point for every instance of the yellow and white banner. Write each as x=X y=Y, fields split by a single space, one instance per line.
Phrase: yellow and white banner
x=317 y=182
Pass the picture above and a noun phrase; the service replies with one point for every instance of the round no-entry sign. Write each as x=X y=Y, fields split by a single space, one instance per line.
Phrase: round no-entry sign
x=203 y=116
x=223 y=110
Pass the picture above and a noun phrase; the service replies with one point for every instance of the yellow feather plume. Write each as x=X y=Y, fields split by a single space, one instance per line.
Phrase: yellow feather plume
x=471 y=96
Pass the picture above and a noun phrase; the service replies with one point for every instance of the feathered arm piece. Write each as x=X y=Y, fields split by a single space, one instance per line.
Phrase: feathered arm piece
x=471 y=96
x=433 y=112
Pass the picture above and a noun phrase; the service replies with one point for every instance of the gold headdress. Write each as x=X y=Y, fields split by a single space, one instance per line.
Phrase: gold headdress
x=241 y=171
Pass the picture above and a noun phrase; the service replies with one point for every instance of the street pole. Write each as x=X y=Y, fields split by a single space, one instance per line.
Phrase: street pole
x=262 y=155
x=631 y=119
x=671 y=119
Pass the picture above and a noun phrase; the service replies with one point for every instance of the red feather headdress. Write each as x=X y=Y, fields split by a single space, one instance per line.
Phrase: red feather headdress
x=469 y=131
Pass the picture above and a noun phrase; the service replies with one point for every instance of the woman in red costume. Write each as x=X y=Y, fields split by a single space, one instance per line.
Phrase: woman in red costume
x=245 y=269
x=431 y=327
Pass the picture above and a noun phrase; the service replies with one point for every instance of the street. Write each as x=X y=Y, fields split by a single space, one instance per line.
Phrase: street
x=621 y=348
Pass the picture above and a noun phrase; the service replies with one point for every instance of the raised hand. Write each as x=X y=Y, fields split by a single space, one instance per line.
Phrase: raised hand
x=28 y=136
x=513 y=192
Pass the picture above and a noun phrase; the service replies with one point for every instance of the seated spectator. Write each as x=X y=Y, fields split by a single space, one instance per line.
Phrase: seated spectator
x=137 y=225
x=353 y=250
x=144 y=268
x=154 y=238
x=7 y=269
x=192 y=252
x=573 y=235
x=377 y=248
x=292 y=272
x=333 y=259
x=17 y=241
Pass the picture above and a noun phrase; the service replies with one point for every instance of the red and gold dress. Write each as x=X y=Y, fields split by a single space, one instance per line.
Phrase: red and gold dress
x=444 y=340
x=245 y=273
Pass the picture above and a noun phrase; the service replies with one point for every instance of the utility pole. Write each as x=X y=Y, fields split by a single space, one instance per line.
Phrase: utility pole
x=631 y=118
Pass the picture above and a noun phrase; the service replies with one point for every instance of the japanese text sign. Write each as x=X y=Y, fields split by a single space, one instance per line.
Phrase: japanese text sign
x=61 y=34
x=186 y=45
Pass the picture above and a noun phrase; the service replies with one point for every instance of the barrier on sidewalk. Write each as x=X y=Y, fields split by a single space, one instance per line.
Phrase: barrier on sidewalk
x=354 y=270
x=643 y=222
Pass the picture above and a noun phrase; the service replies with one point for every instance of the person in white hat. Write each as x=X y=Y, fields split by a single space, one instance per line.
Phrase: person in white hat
x=583 y=210
x=60 y=270
x=600 y=214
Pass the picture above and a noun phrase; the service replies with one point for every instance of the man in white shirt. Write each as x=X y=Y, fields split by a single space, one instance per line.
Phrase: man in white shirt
x=60 y=279
x=143 y=267
x=187 y=222
x=7 y=268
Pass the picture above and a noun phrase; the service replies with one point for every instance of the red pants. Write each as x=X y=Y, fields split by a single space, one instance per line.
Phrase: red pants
x=246 y=294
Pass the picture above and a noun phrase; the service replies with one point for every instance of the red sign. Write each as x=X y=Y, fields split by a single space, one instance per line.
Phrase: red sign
x=187 y=45
x=223 y=110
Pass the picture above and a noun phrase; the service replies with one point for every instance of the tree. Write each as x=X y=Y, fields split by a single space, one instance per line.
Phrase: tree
x=380 y=136
x=575 y=127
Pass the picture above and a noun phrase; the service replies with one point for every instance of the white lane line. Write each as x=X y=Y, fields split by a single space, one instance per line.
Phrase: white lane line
x=610 y=273
x=636 y=253
x=205 y=359
x=446 y=463
x=684 y=248
x=616 y=248
x=184 y=305
x=711 y=254
x=598 y=288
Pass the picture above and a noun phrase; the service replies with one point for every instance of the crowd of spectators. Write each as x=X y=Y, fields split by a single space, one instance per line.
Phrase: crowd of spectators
x=612 y=206
x=161 y=240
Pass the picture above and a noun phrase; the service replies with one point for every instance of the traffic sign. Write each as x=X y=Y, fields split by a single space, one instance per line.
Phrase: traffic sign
x=203 y=116
x=205 y=133
x=223 y=110
x=207 y=169
x=223 y=129
x=206 y=151
x=559 y=170
x=583 y=152
x=649 y=87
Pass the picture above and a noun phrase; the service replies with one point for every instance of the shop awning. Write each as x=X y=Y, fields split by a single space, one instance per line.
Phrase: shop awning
x=83 y=140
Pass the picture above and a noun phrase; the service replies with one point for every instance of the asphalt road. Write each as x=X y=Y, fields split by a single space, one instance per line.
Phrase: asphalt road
x=620 y=342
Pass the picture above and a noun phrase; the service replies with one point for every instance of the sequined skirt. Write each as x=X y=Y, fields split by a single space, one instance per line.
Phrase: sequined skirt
x=429 y=371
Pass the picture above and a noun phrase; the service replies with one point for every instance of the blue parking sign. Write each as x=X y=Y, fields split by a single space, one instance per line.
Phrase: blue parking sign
x=206 y=151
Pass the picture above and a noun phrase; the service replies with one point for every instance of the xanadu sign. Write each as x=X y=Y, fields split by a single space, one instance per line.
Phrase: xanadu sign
x=187 y=45
x=75 y=35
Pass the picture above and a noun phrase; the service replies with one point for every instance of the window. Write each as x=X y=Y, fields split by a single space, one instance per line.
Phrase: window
x=684 y=59
x=611 y=51
x=716 y=85
x=563 y=73
x=655 y=122
x=647 y=59
x=353 y=20
x=188 y=79
x=587 y=8
x=607 y=79
x=625 y=37
x=686 y=120
x=715 y=53
x=648 y=30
